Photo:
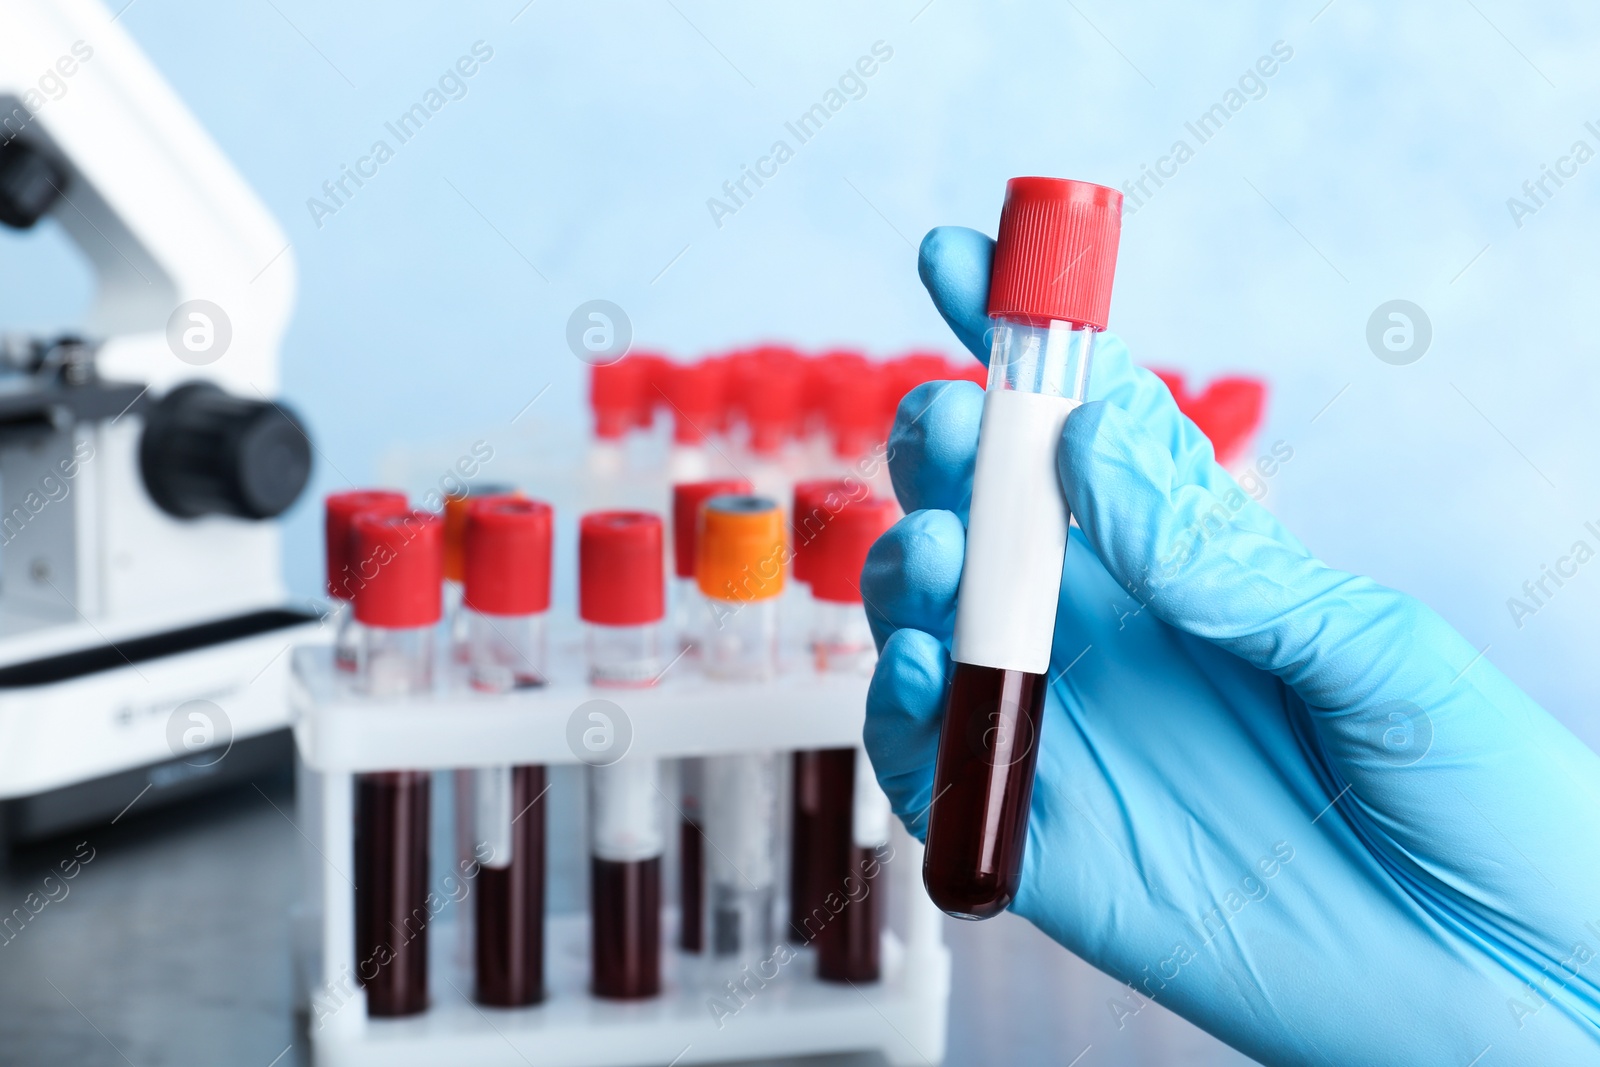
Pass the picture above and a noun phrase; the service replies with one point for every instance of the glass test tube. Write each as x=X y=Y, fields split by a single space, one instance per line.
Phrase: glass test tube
x=769 y=381
x=344 y=576
x=691 y=617
x=457 y=505
x=741 y=819
x=848 y=949
x=622 y=600
x=692 y=855
x=819 y=846
x=806 y=845
x=740 y=567
x=505 y=601
x=816 y=502
x=616 y=395
x=695 y=393
x=853 y=407
x=398 y=608
x=1050 y=291
x=841 y=642
x=456 y=508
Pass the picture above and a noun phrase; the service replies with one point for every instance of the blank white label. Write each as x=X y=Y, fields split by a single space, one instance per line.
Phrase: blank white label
x=870 y=813
x=491 y=804
x=625 y=810
x=1016 y=535
x=742 y=819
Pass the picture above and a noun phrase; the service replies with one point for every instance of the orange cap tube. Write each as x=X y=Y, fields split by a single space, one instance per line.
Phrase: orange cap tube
x=742 y=551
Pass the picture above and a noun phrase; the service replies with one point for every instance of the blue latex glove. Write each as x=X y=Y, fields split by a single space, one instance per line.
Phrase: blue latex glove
x=1290 y=804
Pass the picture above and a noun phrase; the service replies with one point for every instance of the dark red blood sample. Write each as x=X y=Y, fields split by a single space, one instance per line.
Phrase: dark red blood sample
x=847 y=950
x=625 y=927
x=824 y=782
x=807 y=800
x=691 y=886
x=391 y=862
x=848 y=886
x=982 y=787
x=510 y=917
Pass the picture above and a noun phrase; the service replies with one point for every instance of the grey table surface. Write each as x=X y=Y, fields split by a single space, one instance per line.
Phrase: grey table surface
x=171 y=947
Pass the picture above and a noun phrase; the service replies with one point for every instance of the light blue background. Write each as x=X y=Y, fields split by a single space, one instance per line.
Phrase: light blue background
x=1376 y=166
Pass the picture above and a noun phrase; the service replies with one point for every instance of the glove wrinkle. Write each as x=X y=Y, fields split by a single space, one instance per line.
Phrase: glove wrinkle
x=1059 y=707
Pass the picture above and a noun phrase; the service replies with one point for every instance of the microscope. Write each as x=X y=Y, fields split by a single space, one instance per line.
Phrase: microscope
x=144 y=623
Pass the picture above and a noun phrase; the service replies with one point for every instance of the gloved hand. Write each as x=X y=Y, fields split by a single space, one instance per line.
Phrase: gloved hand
x=1290 y=804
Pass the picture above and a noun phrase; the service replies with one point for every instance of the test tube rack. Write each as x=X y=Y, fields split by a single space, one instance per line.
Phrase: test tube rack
x=340 y=734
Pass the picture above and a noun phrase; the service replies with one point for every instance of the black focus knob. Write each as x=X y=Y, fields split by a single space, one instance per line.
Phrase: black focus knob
x=207 y=453
x=29 y=183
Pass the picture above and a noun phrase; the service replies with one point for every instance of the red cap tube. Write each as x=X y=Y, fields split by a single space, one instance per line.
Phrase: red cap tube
x=738 y=365
x=853 y=407
x=1056 y=253
x=616 y=393
x=728 y=398
x=770 y=396
x=456 y=508
x=697 y=393
x=399 y=560
x=687 y=498
x=816 y=502
x=620 y=570
x=655 y=374
x=1050 y=294
x=840 y=550
x=822 y=373
x=507 y=556
x=339 y=512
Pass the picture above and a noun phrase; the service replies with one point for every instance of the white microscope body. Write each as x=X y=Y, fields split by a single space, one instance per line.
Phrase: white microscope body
x=143 y=615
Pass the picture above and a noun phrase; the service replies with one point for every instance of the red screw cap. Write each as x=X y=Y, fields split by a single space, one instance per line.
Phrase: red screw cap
x=1056 y=253
x=687 y=497
x=697 y=391
x=840 y=550
x=507 y=556
x=851 y=403
x=771 y=385
x=816 y=503
x=339 y=511
x=456 y=508
x=821 y=375
x=655 y=374
x=400 y=561
x=620 y=579
x=616 y=395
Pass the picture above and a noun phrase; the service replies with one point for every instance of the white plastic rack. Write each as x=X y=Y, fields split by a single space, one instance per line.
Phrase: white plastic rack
x=340 y=733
